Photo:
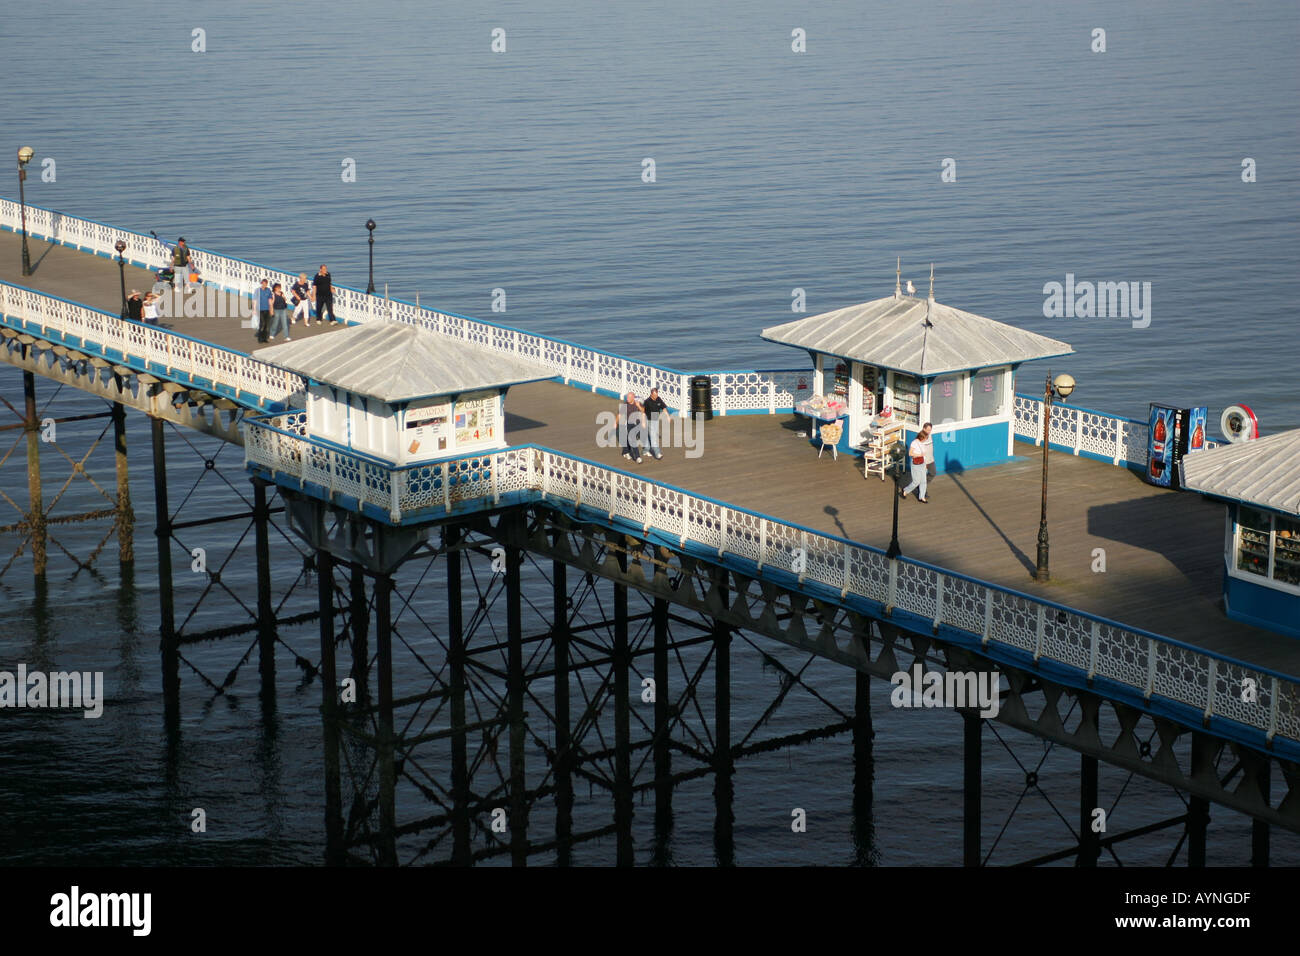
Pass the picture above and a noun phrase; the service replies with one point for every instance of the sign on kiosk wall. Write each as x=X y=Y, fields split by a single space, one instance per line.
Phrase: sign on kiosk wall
x=476 y=423
x=427 y=432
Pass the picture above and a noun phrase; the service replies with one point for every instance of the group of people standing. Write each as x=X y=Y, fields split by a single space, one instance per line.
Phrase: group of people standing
x=305 y=297
x=641 y=425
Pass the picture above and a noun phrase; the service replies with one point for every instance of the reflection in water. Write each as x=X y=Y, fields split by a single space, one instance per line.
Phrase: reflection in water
x=865 y=852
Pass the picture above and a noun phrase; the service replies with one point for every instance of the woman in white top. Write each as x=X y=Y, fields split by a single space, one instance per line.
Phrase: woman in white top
x=151 y=309
x=918 y=453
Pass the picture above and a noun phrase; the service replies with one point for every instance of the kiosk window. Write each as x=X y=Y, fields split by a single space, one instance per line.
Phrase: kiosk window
x=946 y=399
x=987 y=388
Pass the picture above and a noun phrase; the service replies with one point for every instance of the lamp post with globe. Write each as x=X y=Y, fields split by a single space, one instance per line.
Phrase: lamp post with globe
x=1061 y=386
x=25 y=154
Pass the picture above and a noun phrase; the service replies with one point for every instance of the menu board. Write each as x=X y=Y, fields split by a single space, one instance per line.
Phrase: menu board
x=907 y=398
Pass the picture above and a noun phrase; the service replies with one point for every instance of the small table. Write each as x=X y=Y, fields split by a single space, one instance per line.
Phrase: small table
x=820 y=416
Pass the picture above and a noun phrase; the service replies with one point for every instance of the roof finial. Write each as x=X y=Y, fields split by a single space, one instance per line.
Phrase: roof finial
x=898 y=278
x=931 y=281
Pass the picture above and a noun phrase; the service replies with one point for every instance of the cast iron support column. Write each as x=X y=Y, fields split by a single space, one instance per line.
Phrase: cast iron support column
x=1258 y=828
x=124 y=516
x=171 y=657
x=863 y=771
x=1198 y=808
x=35 y=517
x=563 y=757
x=515 y=705
x=359 y=618
x=622 y=722
x=662 y=754
x=387 y=772
x=460 y=822
x=1089 y=839
x=973 y=728
x=266 y=630
x=723 y=841
x=334 y=852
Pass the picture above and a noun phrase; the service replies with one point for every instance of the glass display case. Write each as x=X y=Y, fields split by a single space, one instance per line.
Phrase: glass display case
x=1268 y=545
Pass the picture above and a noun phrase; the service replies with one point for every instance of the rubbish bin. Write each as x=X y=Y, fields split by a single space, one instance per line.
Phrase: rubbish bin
x=701 y=398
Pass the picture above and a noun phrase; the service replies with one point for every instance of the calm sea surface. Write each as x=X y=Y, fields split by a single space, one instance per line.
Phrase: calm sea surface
x=522 y=171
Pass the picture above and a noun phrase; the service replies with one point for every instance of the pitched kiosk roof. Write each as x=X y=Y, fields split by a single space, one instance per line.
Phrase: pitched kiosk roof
x=1264 y=472
x=893 y=333
x=396 y=362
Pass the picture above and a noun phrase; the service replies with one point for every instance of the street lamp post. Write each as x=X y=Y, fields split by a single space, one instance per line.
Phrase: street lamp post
x=1061 y=386
x=25 y=154
x=370 y=287
x=896 y=455
x=120 y=246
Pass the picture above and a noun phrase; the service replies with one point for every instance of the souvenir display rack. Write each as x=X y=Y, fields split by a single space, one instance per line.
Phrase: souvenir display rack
x=875 y=458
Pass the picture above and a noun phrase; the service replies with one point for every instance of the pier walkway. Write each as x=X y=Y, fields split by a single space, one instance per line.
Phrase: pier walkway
x=1162 y=550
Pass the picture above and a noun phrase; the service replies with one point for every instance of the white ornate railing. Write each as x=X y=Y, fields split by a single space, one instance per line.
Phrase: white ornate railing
x=1015 y=625
x=1082 y=431
x=573 y=364
x=149 y=349
x=1121 y=441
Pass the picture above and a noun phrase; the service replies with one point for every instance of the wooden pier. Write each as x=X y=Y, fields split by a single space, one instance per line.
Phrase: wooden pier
x=1163 y=550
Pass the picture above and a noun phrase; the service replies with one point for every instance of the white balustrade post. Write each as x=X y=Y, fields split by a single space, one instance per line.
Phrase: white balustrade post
x=1209 y=690
x=988 y=615
x=1078 y=431
x=1092 y=649
x=1038 y=631
x=762 y=543
x=1274 y=694
x=1151 y=669
x=938 y=601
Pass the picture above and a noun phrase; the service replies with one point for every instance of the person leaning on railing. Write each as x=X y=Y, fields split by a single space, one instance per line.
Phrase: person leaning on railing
x=135 y=306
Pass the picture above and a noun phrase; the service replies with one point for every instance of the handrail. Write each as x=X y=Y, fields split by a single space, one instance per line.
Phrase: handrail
x=148 y=349
x=603 y=372
x=1088 y=646
x=1119 y=440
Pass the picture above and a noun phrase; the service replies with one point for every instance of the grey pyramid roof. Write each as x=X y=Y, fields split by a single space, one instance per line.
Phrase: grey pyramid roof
x=397 y=362
x=1264 y=472
x=892 y=333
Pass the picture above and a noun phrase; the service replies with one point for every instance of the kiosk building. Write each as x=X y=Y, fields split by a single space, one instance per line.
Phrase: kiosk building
x=1259 y=481
x=913 y=360
x=401 y=394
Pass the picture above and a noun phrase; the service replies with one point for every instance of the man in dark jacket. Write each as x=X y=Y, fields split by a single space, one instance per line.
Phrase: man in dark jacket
x=134 y=306
x=324 y=294
x=652 y=407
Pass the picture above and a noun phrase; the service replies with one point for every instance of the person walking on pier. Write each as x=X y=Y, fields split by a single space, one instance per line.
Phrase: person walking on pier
x=324 y=294
x=263 y=297
x=652 y=406
x=181 y=264
x=279 y=311
x=918 y=451
x=301 y=300
x=632 y=413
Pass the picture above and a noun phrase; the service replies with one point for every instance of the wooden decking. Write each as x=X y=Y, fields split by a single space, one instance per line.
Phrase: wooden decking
x=94 y=281
x=1163 y=550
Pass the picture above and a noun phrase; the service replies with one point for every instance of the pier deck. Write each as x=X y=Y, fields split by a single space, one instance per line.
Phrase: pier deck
x=1163 y=550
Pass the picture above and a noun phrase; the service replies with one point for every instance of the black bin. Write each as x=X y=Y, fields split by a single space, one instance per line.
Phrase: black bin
x=701 y=398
